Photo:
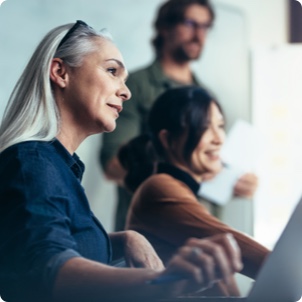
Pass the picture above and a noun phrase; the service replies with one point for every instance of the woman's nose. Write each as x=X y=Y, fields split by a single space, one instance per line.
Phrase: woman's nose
x=125 y=93
x=218 y=136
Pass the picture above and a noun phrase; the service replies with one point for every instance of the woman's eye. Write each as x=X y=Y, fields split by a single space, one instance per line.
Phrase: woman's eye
x=112 y=70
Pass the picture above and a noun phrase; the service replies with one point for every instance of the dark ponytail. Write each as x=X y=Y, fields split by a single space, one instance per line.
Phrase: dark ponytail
x=139 y=159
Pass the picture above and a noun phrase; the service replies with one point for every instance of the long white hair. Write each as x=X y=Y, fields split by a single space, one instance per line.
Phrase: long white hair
x=31 y=112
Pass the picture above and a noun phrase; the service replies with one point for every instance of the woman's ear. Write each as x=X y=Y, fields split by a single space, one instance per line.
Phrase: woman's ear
x=173 y=147
x=163 y=136
x=58 y=72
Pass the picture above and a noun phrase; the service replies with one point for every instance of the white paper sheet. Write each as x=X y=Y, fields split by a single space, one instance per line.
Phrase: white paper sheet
x=241 y=149
x=220 y=189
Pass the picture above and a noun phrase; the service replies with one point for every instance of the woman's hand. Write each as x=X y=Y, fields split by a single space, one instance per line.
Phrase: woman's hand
x=246 y=186
x=202 y=262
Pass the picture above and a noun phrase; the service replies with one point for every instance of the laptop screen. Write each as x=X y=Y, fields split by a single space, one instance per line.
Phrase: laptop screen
x=280 y=278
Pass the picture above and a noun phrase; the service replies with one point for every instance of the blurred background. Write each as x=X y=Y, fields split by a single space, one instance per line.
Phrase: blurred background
x=252 y=62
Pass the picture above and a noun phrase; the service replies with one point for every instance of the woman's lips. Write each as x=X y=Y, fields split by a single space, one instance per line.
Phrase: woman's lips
x=118 y=108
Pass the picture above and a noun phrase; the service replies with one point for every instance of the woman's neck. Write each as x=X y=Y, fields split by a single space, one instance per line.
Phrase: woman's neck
x=70 y=142
x=197 y=178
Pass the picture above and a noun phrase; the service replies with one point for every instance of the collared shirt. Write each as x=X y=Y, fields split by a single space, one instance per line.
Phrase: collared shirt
x=45 y=219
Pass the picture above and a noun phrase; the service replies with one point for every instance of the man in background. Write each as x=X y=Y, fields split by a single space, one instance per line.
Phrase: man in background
x=181 y=28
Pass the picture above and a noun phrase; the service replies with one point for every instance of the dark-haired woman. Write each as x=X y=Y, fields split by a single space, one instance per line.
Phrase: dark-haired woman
x=165 y=169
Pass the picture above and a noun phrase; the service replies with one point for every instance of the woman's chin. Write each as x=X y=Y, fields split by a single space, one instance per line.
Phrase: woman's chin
x=109 y=127
x=211 y=172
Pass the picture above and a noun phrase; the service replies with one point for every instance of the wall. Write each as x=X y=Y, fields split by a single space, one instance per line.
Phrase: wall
x=267 y=20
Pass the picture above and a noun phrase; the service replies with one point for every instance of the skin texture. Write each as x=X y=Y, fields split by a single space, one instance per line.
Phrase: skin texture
x=137 y=251
x=89 y=99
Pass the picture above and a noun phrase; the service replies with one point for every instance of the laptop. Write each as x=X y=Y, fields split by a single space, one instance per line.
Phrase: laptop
x=280 y=278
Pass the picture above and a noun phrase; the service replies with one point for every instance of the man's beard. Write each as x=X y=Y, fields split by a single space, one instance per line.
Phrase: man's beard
x=181 y=55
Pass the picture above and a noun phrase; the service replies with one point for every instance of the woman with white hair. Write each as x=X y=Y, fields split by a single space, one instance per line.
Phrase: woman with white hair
x=52 y=247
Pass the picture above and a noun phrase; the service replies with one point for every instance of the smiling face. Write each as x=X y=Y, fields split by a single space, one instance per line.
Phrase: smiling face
x=206 y=156
x=95 y=91
x=185 y=41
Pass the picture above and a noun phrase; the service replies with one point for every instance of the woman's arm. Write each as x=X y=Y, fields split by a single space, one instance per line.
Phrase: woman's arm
x=199 y=262
x=182 y=216
x=135 y=249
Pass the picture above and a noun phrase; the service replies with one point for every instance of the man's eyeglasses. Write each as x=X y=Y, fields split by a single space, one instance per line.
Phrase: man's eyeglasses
x=71 y=31
x=191 y=24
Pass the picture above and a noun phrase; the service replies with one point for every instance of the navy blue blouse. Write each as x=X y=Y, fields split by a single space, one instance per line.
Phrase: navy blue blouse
x=45 y=219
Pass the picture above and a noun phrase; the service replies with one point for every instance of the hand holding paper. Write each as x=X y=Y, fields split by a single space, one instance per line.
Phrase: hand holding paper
x=246 y=185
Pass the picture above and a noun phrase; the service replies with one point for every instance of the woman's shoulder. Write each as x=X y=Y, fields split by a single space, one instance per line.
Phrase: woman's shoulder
x=161 y=179
x=26 y=148
x=29 y=155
